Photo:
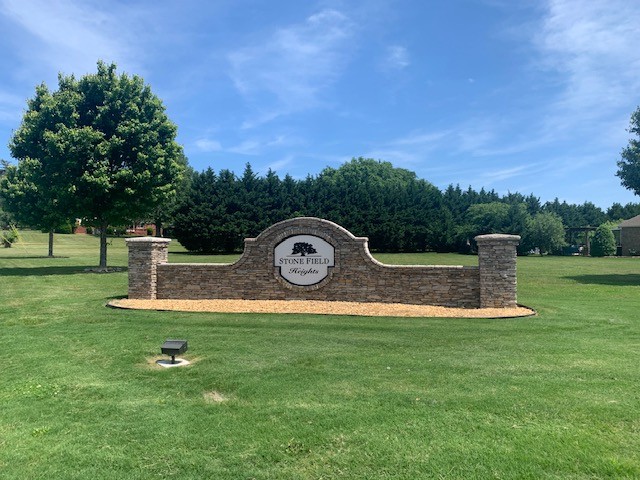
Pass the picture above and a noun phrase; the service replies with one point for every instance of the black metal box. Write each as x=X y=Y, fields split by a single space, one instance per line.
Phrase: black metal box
x=174 y=347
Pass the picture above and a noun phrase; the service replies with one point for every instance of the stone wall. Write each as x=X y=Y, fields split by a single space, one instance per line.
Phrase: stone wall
x=356 y=276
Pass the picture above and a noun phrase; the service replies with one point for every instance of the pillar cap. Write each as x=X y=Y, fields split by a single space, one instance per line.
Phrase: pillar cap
x=497 y=238
x=147 y=240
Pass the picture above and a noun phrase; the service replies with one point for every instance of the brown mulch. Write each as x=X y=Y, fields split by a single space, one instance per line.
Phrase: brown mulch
x=319 y=307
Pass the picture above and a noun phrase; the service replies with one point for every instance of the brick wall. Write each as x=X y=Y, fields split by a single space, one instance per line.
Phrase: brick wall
x=630 y=240
x=356 y=276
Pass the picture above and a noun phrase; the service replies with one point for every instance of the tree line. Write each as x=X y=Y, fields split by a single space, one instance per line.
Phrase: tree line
x=398 y=211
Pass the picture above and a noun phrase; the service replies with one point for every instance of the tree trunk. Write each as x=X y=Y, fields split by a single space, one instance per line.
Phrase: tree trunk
x=103 y=246
x=159 y=228
x=51 y=243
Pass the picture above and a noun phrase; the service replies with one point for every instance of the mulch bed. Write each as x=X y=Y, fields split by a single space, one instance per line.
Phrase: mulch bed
x=320 y=307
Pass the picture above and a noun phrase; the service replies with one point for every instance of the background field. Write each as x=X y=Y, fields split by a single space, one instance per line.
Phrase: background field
x=301 y=396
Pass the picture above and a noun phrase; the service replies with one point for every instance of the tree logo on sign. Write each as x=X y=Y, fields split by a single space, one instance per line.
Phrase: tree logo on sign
x=303 y=248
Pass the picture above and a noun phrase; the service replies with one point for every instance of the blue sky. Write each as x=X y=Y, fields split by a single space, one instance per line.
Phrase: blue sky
x=517 y=96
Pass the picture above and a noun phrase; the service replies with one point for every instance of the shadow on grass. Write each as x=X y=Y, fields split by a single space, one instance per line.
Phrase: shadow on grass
x=116 y=297
x=33 y=257
x=202 y=254
x=45 y=271
x=621 y=280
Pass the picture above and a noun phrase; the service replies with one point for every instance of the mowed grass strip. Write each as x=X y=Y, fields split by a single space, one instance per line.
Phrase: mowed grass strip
x=303 y=396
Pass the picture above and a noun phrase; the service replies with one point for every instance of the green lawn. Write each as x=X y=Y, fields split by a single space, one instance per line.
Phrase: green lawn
x=320 y=397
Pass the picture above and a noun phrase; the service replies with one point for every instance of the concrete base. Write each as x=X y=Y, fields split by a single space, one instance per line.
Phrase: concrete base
x=166 y=363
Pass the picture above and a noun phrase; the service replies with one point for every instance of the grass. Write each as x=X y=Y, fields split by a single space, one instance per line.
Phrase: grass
x=303 y=396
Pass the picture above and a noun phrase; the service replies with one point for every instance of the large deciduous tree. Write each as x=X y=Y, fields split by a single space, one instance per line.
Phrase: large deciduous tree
x=546 y=232
x=104 y=144
x=629 y=165
x=5 y=216
x=37 y=191
x=395 y=209
x=31 y=198
x=496 y=217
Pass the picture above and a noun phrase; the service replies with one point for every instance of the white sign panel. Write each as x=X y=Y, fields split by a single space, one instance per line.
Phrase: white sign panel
x=304 y=259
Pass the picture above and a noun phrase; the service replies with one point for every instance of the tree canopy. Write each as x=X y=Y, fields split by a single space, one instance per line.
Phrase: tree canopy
x=37 y=192
x=32 y=200
x=391 y=206
x=629 y=165
x=5 y=216
x=397 y=211
x=101 y=147
x=546 y=232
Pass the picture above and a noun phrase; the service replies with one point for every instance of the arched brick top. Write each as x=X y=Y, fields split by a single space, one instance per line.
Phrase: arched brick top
x=325 y=229
x=306 y=223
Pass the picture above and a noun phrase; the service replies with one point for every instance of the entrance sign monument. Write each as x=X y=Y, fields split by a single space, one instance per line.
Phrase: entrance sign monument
x=310 y=258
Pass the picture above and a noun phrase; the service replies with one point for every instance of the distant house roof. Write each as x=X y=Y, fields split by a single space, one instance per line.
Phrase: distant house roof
x=632 y=222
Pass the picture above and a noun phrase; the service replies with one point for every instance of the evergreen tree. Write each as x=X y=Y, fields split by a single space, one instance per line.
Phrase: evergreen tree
x=195 y=215
x=617 y=212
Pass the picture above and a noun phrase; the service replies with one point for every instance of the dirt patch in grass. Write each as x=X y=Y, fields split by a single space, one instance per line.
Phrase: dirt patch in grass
x=215 y=397
x=319 y=307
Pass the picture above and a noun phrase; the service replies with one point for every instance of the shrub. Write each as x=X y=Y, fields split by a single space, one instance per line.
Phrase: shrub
x=7 y=237
x=66 y=229
x=149 y=231
x=603 y=243
x=116 y=231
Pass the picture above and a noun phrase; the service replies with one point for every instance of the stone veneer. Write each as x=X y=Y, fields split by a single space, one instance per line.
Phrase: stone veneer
x=145 y=254
x=356 y=276
x=497 y=267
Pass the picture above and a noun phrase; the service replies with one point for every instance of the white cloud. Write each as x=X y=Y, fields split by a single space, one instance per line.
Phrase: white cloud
x=208 y=145
x=10 y=107
x=280 y=164
x=247 y=147
x=491 y=137
x=293 y=66
x=588 y=57
x=254 y=146
x=69 y=35
x=396 y=58
x=478 y=137
x=491 y=176
x=593 y=46
x=422 y=139
x=411 y=149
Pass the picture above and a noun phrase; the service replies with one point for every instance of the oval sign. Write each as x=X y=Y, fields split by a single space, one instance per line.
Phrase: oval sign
x=304 y=259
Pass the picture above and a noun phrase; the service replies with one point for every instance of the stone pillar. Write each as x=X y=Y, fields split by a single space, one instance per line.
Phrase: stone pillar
x=144 y=254
x=497 y=266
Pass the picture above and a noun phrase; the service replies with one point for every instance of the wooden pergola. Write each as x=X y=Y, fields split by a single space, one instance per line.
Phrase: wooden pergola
x=572 y=231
